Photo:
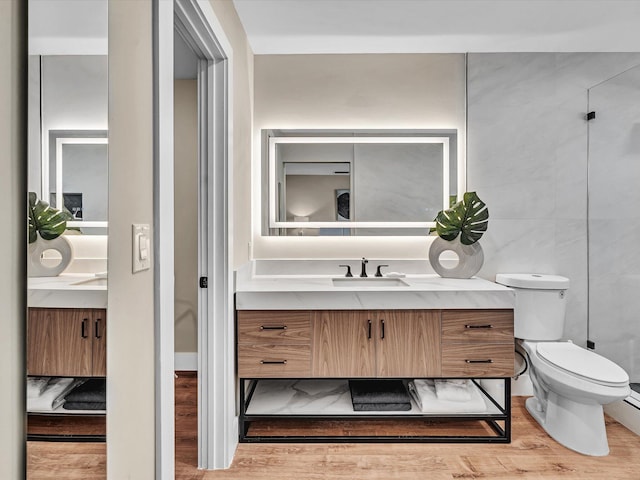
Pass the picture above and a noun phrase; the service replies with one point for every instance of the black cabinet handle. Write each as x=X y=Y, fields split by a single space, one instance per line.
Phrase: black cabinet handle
x=273 y=327
x=369 y=334
x=381 y=329
x=97 y=327
x=479 y=326
x=273 y=362
x=479 y=361
x=83 y=332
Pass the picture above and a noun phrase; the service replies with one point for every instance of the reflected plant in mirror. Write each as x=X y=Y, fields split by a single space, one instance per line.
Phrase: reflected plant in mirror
x=44 y=220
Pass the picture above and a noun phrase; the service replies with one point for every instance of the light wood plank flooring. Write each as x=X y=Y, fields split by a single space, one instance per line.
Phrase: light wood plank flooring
x=531 y=455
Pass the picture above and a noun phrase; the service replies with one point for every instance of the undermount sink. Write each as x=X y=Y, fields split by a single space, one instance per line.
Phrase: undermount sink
x=94 y=282
x=368 y=282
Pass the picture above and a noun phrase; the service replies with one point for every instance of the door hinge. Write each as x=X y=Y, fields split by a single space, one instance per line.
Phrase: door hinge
x=590 y=116
x=204 y=282
x=591 y=345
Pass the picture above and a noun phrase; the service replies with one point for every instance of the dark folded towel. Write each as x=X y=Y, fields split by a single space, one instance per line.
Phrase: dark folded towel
x=85 y=405
x=381 y=407
x=94 y=390
x=371 y=395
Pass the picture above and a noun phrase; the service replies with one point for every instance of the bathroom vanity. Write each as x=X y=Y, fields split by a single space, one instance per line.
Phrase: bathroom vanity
x=299 y=336
x=66 y=337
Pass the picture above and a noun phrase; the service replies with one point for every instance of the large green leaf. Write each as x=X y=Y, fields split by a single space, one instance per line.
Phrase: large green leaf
x=469 y=218
x=49 y=222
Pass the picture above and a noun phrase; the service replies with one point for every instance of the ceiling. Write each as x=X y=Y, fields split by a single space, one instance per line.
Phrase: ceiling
x=440 y=26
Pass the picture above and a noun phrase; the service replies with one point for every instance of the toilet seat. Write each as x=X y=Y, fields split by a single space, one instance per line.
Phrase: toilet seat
x=582 y=363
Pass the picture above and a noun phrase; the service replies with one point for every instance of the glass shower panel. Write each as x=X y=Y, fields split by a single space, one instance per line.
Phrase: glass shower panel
x=614 y=221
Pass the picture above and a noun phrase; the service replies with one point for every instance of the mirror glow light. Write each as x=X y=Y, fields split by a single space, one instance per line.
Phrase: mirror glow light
x=60 y=143
x=273 y=190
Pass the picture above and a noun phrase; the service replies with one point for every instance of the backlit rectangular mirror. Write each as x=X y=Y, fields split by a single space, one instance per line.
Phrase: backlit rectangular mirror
x=359 y=183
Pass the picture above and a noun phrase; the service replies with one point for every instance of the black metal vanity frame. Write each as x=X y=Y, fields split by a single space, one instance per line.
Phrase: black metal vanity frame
x=503 y=435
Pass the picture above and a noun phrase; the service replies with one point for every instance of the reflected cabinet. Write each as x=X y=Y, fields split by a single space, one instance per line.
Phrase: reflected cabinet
x=66 y=342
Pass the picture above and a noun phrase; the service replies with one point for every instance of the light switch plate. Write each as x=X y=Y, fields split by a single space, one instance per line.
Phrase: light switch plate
x=141 y=247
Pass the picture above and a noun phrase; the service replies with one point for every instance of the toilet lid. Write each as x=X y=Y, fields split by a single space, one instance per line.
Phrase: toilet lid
x=582 y=362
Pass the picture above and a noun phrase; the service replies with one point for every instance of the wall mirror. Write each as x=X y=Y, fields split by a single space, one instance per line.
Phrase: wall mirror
x=66 y=320
x=328 y=183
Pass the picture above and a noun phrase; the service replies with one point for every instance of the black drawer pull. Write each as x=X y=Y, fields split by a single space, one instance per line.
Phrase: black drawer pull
x=97 y=325
x=479 y=361
x=83 y=333
x=369 y=334
x=273 y=327
x=479 y=326
x=382 y=329
x=273 y=362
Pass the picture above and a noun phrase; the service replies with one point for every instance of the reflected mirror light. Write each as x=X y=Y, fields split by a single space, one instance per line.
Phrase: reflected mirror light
x=76 y=176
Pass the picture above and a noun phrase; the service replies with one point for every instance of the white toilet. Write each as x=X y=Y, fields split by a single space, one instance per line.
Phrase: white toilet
x=570 y=383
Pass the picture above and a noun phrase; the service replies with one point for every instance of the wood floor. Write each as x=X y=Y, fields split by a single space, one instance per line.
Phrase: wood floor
x=531 y=455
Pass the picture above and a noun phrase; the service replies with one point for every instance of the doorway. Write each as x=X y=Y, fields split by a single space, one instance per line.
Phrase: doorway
x=196 y=25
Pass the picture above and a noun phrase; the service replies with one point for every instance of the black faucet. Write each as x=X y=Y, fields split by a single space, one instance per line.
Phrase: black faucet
x=348 y=274
x=363 y=273
x=378 y=272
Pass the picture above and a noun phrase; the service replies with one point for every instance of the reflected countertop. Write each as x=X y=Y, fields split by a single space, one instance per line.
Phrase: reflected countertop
x=67 y=291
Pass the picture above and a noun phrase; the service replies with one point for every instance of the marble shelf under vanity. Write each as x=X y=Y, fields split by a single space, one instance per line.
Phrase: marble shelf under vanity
x=324 y=397
x=309 y=292
x=67 y=291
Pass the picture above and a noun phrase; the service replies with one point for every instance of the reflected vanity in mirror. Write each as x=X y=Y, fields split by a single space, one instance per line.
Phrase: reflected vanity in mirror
x=357 y=182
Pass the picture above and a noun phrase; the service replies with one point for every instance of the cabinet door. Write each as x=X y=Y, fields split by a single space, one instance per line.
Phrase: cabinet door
x=59 y=342
x=99 y=349
x=408 y=343
x=343 y=344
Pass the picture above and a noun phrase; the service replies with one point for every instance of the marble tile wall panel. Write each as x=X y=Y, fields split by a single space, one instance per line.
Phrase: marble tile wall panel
x=527 y=159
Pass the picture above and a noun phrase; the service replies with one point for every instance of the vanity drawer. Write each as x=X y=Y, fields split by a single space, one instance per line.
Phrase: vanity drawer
x=274 y=361
x=490 y=326
x=489 y=360
x=269 y=327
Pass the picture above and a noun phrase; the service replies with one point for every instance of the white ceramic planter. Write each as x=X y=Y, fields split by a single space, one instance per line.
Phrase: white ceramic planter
x=470 y=258
x=36 y=266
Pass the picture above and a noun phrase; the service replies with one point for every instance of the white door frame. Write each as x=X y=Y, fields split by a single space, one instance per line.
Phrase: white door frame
x=217 y=420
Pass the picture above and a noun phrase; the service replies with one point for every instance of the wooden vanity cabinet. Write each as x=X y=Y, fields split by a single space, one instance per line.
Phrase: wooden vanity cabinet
x=381 y=343
x=66 y=342
x=392 y=343
x=343 y=344
x=274 y=344
x=477 y=343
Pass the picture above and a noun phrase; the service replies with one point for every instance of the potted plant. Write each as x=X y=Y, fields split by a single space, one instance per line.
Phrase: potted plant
x=459 y=228
x=46 y=225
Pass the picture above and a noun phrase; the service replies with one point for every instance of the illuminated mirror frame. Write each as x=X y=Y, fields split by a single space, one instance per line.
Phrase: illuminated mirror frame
x=60 y=143
x=273 y=190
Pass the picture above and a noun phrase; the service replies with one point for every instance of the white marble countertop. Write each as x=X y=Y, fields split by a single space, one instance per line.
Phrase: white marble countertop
x=67 y=291
x=427 y=291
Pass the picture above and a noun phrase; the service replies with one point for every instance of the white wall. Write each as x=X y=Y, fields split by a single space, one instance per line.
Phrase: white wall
x=352 y=92
x=527 y=159
x=130 y=345
x=13 y=157
x=242 y=91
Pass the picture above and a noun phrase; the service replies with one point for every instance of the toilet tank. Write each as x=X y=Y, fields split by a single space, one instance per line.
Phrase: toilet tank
x=541 y=303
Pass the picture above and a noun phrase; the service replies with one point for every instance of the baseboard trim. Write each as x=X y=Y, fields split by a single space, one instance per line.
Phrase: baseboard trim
x=625 y=413
x=186 y=361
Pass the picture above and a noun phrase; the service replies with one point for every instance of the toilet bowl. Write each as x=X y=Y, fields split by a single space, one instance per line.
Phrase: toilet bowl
x=569 y=395
x=570 y=383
